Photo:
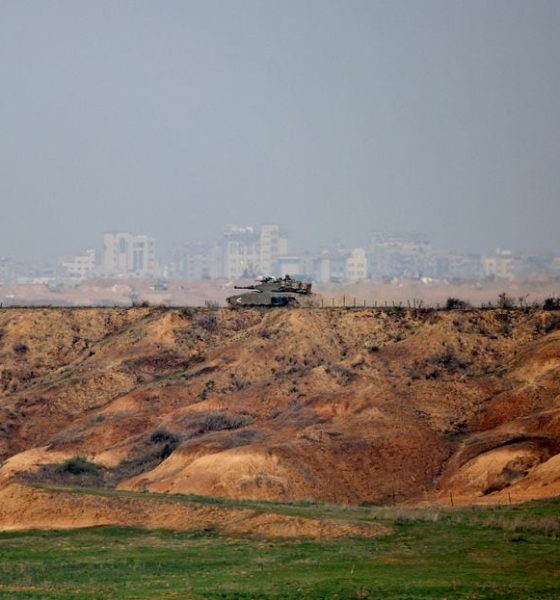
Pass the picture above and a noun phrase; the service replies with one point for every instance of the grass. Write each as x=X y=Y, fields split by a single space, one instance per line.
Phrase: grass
x=538 y=515
x=487 y=553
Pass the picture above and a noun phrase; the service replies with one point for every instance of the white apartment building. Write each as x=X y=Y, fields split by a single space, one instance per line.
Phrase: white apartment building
x=357 y=265
x=128 y=254
x=241 y=253
x=80 y=266
x=501 y=265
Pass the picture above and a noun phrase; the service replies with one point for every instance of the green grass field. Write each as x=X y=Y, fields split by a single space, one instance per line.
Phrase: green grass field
x=506 y=553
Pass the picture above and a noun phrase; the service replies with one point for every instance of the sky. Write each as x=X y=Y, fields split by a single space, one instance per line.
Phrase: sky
x=332 y=118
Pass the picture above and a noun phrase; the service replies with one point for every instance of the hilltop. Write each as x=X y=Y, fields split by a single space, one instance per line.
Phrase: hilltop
x=348 y=406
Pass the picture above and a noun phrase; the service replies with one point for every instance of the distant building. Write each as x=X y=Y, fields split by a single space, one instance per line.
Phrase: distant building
x=273 y=243
x=130 y=255
x=80 y=266
x=400 y=256
x=356 y=265
x=458 y=266
x=198 y=261
x=330 y=266
x=241 y=252
x=500 y=265
x=249 y=253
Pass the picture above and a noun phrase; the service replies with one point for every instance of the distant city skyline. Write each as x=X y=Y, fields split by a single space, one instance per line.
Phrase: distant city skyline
x=247 y=251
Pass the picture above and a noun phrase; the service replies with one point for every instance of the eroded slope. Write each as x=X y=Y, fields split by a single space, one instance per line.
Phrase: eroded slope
x=342 y=405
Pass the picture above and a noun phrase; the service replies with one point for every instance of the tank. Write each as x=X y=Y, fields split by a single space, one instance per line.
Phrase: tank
x=270 y=292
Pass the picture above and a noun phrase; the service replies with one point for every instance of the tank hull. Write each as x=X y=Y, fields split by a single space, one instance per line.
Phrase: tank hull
x=266 y=300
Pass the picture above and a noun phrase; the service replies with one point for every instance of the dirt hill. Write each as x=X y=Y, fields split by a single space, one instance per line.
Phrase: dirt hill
x=358 y=406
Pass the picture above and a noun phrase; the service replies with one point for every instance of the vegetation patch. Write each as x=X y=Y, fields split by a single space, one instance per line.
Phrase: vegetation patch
x=456 y=303
x=476 y=554
x=220 y=421
x=75 y=471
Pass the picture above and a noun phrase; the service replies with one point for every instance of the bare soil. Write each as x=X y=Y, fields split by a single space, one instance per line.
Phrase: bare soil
x=348 y=406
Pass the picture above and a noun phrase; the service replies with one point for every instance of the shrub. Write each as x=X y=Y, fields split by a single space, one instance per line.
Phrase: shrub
x=167 y=450
x=342 y=373
x=162 y=444
x=78 y=465
x=447 y=360
x=245 y=437
x=74 y=471
x=505 y=301
x=160 y=436
x=551 y=304
x=20 y=348
x=140 y=303
x=455 y=303
x=219 y=421
x=208 y=320
x=236 y=382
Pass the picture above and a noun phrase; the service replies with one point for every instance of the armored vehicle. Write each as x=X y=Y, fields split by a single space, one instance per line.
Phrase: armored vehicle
x=270 y=292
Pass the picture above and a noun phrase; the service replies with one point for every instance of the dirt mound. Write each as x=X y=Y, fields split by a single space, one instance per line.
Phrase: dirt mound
x=359 y=406
x=23 y=507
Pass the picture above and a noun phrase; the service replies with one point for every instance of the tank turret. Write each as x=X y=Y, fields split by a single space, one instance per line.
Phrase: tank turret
x=271 y=292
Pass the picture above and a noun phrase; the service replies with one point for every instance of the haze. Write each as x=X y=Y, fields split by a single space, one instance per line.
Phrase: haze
x=331 y=118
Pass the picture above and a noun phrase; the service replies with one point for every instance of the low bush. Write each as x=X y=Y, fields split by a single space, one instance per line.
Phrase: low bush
x=160 y=436
x=220 y=421
x=78 y=465
x=551 y=304
x=161 y=444
x=505 y=301
x=74 y=471
x=207 y=320
x=456 y=303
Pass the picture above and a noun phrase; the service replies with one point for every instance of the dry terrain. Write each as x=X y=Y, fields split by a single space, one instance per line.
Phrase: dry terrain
x=348 y=406
x=124 y=292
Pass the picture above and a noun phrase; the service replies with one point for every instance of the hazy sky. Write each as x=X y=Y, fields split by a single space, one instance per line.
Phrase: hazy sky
x=333 y=118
